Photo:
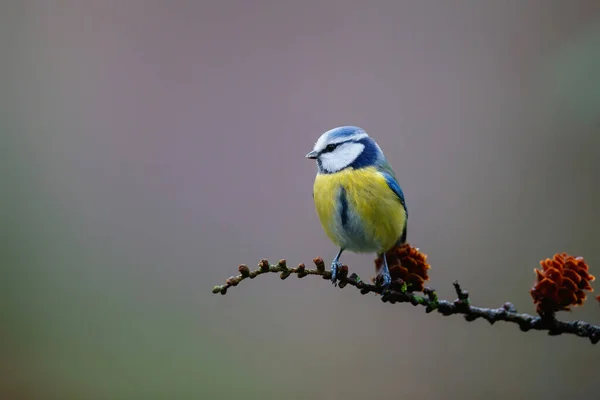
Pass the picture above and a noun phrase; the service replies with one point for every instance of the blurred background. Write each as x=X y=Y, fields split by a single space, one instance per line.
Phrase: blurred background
x=148 y=148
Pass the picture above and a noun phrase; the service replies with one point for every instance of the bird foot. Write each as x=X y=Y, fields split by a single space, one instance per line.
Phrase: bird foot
x=386 y=281
x=334 y=270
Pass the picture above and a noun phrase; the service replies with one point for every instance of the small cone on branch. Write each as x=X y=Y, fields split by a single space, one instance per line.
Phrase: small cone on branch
x=407 y=265
x=560 y=284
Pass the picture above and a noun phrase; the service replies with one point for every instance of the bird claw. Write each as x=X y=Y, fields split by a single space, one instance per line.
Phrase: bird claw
x=386 y=281
x=334 y=270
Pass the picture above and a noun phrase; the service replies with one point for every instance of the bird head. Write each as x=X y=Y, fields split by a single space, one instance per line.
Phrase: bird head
x=343 y=147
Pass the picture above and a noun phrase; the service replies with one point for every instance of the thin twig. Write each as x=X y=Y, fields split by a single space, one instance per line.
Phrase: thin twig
x=430 y=300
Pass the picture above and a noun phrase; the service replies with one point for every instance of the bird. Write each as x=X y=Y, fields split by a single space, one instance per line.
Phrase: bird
x=357 y=198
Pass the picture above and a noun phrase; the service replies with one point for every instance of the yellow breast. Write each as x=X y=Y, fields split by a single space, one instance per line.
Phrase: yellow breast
x=358 y=210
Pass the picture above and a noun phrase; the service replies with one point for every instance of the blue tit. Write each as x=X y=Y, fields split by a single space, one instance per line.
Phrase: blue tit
x=357 y=198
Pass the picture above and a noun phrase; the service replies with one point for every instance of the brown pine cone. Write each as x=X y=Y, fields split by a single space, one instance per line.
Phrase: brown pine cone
x=407 y=265
x=560 y=284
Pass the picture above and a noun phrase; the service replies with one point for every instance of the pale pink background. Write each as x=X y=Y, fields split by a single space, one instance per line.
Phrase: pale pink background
x=150 y=147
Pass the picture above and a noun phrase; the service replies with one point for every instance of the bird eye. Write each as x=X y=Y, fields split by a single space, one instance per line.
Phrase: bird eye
x=330 y=147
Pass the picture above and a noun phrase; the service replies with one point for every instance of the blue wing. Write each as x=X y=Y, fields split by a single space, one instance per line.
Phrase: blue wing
x=393 y=184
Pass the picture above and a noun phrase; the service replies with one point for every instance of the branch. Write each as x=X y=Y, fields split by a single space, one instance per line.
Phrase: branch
x=430 y=300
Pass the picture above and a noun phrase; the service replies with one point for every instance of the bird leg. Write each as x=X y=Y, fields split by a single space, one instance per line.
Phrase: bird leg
x=334 y=266
x=386 y=279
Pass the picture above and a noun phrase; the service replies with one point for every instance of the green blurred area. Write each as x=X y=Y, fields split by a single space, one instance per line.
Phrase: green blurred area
x=146 y=151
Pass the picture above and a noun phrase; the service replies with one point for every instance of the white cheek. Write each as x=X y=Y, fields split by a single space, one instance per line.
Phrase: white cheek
x=341 y=157
x=329 y=163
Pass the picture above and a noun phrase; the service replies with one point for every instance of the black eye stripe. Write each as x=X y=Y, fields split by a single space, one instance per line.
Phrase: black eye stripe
x=329 y=148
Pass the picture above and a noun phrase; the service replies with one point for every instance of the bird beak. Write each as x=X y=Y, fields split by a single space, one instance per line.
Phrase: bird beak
x=312 y=155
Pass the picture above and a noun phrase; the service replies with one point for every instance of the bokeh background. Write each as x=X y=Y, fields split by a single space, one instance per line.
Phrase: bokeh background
x=148 y=148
